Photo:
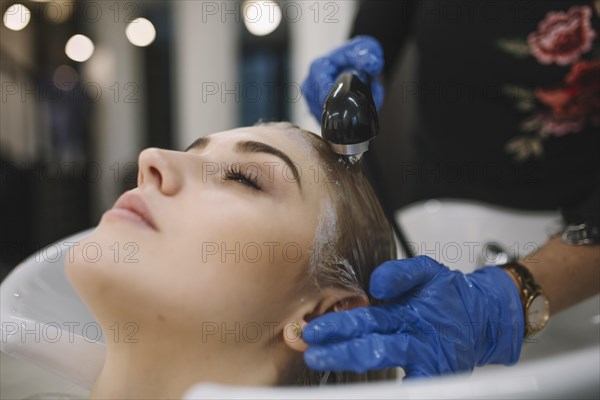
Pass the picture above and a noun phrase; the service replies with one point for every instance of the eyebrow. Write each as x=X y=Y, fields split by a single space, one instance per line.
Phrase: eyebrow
x=250 y=146
x=199 y=143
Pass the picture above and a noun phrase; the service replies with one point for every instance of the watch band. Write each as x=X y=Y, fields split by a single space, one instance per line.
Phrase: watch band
x=528 y=291
x=581 y=234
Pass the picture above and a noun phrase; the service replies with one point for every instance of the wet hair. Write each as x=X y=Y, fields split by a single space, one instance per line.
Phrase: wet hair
x=358 y=239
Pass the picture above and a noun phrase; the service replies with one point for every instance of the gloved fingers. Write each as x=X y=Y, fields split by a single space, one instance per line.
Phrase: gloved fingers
x=373 y=352
x=351 y=324
x=393 y=279
x=377 y=90
x=318 y=84
x=363 y=53
x=358 y=355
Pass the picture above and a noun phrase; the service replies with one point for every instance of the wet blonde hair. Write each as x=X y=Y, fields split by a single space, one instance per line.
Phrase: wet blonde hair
x=359 y=240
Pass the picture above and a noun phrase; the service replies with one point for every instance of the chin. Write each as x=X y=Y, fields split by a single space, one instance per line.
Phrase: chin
x=97 y=265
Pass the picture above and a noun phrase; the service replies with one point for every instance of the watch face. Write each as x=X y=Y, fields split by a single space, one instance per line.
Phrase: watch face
x=538 y=313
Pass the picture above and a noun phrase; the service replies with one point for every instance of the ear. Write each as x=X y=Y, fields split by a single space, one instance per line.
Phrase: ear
x=327 y=300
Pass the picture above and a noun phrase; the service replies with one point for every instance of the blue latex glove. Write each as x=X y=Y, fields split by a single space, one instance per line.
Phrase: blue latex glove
x=438 y=321
x=363 y=55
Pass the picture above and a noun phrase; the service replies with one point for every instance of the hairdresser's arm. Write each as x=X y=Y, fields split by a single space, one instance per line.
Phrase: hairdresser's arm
x=568 y=274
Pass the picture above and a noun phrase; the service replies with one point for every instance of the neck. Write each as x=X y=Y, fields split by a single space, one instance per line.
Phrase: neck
x=167 y=370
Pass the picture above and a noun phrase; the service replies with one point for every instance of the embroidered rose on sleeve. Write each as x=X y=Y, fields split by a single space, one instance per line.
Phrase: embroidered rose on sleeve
x=567 y=39
x=579 y=95
x=562 y=36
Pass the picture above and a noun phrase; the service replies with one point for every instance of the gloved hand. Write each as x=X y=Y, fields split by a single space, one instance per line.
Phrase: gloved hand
x=363 y=54
x=438 y=321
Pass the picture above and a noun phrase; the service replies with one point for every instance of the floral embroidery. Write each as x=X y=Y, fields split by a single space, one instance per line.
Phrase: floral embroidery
x=562 y=37
x=568 y=107
x=524 y=147
x=579 y=96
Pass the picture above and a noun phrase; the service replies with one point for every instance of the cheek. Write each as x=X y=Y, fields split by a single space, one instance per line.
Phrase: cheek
x=249 y=283
x=238 y=265
x=230 y=228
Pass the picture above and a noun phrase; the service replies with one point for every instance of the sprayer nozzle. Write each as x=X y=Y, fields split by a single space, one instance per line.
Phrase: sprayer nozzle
x=350 y=149
x=349 y=118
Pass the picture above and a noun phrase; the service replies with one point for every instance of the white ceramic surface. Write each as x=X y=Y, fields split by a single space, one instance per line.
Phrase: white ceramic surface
x=458 y=233
x=43 y=320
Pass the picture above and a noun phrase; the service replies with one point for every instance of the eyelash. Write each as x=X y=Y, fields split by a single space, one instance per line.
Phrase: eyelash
x=234 y=173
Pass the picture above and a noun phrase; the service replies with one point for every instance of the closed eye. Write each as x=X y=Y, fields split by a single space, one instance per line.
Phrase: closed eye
x=235 y=173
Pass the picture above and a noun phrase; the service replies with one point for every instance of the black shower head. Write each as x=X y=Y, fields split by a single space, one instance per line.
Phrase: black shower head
x=349 y=119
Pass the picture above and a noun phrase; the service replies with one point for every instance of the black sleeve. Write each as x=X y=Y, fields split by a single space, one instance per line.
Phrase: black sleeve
x=587 y=211
x=387 y=21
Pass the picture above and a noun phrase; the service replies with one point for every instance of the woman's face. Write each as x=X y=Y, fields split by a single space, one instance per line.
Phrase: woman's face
x=233 y=221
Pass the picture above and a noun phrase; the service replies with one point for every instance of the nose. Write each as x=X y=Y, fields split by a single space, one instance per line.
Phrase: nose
x=160 y=168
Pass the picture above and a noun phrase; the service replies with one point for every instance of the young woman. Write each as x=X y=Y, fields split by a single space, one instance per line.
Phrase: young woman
x=234 y=245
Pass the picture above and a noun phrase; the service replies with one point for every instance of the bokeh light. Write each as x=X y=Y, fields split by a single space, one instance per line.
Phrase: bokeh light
x=140 y=32
x=79 y=48
x=17 y=17
x=261 y=17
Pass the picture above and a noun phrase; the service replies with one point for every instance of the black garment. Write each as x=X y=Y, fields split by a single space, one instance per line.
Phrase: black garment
x=478 y=93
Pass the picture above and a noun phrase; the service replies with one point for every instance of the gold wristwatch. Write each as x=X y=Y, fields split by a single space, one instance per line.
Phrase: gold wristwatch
x=536 y=307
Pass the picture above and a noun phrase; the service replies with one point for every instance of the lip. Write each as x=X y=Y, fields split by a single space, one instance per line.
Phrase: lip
x=132 y=206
